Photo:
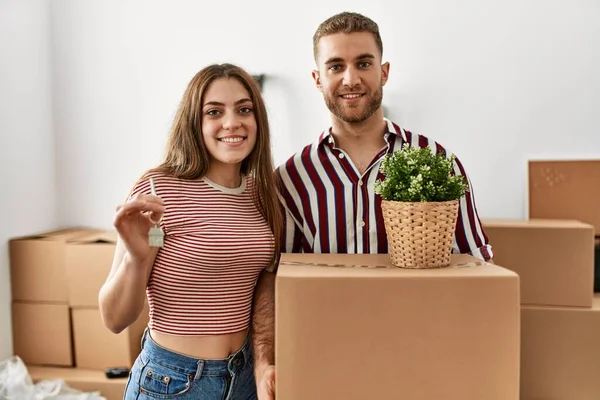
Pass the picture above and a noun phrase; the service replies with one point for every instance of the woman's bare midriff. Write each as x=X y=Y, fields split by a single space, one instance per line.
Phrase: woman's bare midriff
x=206 y=347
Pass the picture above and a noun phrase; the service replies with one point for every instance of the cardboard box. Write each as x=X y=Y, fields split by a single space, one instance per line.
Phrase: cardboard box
x=560 y=353
x=351 y=327
x=42 y=333
x=597 y=267
x=88 y=261
x=37 y=266
x=83 y=380
x=97 y=348
x=554 y=258
x=565 y=190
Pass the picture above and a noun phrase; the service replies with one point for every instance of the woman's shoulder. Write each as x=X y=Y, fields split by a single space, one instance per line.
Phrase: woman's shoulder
x=160 y=179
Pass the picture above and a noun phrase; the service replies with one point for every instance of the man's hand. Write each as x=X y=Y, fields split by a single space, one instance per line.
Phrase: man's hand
x=265 y=383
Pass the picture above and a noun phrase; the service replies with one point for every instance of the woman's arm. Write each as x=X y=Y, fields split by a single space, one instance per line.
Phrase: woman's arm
x=122 y=296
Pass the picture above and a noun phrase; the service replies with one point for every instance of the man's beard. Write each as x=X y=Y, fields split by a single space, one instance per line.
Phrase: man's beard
x=341 y=111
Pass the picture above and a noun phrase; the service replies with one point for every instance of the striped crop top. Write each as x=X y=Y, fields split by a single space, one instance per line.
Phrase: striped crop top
x=216 y=244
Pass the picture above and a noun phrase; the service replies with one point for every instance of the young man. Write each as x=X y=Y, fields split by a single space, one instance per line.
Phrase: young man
x=327 y=189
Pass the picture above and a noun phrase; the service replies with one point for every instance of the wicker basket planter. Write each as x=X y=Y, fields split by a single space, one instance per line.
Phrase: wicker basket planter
x=420 y=197
x=420 y=234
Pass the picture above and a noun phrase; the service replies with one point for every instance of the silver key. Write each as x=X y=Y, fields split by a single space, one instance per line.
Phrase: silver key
x=156 y=237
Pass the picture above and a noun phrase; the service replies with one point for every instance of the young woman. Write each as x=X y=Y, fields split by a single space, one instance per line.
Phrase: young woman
x=214 y=200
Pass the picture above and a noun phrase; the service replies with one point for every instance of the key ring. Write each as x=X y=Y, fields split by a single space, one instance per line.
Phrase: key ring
x=153 y=192
x=152 y=221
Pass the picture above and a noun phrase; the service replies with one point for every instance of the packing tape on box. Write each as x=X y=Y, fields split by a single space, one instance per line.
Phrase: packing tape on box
x=373 y=266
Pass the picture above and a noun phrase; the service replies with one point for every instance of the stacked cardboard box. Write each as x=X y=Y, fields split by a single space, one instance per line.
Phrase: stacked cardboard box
x=56 y=277
x=553 y=253
x=88 y=262
x=554 y=259
x=561 y=352
x=353 y=327
x=567 y=190
x=40 y=309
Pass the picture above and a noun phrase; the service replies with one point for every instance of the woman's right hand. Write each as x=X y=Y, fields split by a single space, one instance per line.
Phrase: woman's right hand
x=133 y=220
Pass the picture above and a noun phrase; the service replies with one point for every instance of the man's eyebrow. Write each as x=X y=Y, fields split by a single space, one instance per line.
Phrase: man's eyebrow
x=365 y=55
x=340 y=59
x=216 y=103
x=334 y=60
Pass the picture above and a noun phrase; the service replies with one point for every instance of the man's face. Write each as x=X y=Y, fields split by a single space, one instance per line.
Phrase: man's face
x=350 y=75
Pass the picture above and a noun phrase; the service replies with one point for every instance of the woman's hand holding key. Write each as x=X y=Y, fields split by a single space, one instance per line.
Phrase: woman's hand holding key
x=133 y=222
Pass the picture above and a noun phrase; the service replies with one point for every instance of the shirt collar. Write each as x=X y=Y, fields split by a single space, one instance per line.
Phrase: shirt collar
x=391 y=129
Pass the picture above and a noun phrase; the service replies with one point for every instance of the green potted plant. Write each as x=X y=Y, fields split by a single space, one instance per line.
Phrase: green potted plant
x=420 y=195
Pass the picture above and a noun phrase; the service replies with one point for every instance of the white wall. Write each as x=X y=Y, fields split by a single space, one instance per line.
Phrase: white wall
x=496 y=82
x=27 y=179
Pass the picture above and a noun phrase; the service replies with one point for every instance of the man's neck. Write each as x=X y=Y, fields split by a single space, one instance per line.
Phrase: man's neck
x=367 y=133
x=361 y=141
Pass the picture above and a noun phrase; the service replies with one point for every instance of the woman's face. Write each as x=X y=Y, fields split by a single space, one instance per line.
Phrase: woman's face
x=229 y=126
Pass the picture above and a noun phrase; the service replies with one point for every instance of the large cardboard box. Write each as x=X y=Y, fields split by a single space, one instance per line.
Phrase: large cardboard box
x=560 y=353
x=88 y=261
x=554 y=258
x=97 y=348
x=83 y=380
x=37 y=265
x=42 y=333
x=566 y=189
x=352 y=327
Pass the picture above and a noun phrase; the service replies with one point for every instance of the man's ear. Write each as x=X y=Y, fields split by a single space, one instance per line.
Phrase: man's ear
x=317 y=78
x=385 y=73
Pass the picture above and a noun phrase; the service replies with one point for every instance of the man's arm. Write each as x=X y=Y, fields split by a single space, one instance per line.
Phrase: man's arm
x=263 y=324
x=469 y=235
x=293 y=236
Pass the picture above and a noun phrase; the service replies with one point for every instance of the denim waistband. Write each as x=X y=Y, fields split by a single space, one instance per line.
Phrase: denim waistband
x=196 y=366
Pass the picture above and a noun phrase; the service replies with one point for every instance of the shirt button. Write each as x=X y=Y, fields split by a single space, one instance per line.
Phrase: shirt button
x=360 y=183
x=341 y=155
x=361 y=223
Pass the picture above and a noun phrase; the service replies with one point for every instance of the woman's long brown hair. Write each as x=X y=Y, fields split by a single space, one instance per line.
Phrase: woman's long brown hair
x=186 y=156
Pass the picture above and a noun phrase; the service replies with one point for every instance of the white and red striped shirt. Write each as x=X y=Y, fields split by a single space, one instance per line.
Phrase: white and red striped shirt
x=216 y=244
x=332 y=208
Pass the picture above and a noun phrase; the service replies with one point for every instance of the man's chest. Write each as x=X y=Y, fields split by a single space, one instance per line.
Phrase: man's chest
x=363 y=160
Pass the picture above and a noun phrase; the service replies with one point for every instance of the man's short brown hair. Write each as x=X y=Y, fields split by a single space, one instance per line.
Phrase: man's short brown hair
x=346 y=22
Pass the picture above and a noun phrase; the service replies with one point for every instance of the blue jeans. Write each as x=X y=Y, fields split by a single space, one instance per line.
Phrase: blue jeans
x=159 y=373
